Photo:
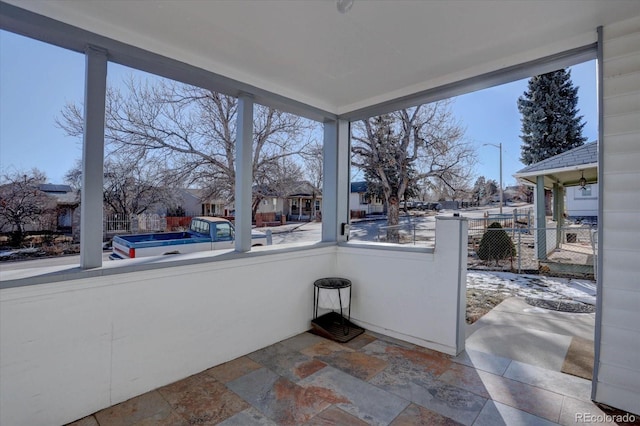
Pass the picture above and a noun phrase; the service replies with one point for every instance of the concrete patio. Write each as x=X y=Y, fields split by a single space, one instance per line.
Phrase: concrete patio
x=531 y=335
x=373 y=379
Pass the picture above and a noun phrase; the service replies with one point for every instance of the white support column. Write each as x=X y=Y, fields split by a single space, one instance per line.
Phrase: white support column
x=93 y=158
x=558 y=211
x=556 y=198
x=541 y=219
x=335 y=188
x=329 y=183
x=344 y=175
x=244 y=173
x=452 y=238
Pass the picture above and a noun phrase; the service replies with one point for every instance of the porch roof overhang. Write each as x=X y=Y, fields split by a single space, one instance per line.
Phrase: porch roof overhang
x=566 y=168
x=566 y=176
x=307 y=58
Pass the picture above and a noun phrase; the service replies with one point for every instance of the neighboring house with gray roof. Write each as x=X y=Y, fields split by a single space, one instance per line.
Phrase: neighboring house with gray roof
x=297 y=200
x=196 y=201
x=361 y=203
x=67 y=201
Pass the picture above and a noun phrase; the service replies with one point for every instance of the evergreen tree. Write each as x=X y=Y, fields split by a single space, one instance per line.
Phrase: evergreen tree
x=491 y=188
x=550 y=121
x=479 y=189
x=496 y=244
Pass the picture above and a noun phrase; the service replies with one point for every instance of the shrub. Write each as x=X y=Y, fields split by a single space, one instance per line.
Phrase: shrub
x=496 y=244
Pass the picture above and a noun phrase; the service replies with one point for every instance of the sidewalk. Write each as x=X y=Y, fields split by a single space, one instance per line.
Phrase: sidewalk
x=531 y=335
x=280 y=229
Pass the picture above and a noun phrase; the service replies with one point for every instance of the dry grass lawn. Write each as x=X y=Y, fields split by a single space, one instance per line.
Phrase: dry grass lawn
x=479 y=302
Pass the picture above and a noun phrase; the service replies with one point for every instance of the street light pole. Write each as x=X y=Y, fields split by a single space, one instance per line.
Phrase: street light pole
x=501 y=194
x=499 y=146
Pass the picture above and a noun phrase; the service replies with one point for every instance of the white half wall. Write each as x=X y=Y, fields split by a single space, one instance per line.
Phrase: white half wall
x=71 y=348
x=414 y=296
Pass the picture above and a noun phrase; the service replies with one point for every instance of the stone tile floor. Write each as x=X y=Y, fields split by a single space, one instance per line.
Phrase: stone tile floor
x=373 y=379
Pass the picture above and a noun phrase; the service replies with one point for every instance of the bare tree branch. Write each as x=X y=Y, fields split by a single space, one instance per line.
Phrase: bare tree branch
x=411 y=147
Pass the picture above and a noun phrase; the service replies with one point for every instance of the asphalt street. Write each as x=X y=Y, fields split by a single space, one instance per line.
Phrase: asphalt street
x=418 y=228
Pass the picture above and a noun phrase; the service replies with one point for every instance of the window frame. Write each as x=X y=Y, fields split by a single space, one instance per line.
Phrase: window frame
x=337 y=126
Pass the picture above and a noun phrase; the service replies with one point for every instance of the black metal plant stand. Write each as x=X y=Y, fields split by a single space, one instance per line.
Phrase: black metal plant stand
x=333 y=325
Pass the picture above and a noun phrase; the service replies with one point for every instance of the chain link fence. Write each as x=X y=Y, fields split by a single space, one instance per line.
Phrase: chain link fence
x=507 y=242
x=567 y=251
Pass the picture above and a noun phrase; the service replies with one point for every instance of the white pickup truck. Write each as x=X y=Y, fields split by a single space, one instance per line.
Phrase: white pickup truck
x=205 y=233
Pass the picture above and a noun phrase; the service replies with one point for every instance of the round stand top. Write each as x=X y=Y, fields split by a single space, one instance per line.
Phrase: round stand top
x=332 y=283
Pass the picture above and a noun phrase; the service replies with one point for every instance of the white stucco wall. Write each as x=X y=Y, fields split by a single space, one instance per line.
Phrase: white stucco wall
x=407 y=295
x=579 y=204
x=354 y=202
x=375 y=206
x=551 y=237
x=618 y=369
x=71 y=348
x=271 y=205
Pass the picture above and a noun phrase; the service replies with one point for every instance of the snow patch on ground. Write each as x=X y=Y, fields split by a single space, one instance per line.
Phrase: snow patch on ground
x=537 y=286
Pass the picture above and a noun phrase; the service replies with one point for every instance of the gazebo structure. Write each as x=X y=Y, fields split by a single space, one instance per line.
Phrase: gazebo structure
x=576 y=167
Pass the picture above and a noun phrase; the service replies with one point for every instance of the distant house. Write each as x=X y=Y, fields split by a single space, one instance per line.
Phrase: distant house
x=67 y=201
x=582 y=203
x=62 y=213
x=361 y=203
x=516 y=193
x=196 y=202
x=299 y=201
x=303 y=202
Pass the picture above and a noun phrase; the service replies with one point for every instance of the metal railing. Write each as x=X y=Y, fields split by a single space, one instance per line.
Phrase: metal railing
x=516 y=220
x=123 y=224
x=409 y=233
x=517 y=246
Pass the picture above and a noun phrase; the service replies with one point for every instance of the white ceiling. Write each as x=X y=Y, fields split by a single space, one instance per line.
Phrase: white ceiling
x=380 y=50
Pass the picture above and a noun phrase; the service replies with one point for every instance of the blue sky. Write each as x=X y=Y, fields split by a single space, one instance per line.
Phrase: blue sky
x=491 y=116
x=37 y=80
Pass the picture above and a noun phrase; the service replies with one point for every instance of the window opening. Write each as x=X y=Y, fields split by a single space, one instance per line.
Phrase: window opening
x=36 y=182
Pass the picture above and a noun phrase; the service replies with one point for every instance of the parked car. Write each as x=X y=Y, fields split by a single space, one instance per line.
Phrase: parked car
x=205 y=233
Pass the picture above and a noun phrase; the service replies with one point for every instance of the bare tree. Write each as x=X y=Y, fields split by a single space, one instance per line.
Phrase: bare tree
x=194 y=130
x=484 y=189
x=275 y=181
x=22 y=203
x=410 y=146
x=131 y=189
x=131 y=185
x=456 y=189
x=313 y=162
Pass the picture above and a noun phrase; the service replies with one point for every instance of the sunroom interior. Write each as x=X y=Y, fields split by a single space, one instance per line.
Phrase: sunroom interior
x=109 y=332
